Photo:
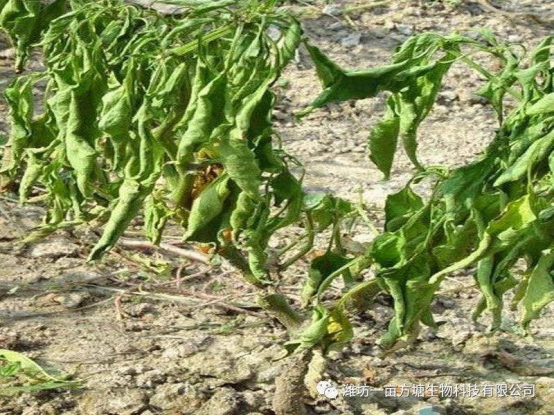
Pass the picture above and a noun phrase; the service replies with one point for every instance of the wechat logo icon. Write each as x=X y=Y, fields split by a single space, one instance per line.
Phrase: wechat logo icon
x=327 y=389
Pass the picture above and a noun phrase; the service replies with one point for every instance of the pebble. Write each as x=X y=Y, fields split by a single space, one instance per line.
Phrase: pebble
x=461 y=337
x=127 y=371
x=332 y=9
x=192 y=346
x=54 y=249
x=7 y=53
x=68 y=262
x=274 y=32
x=351 y=40
x=280 y=115
x=406 y=30
x=337 y=26
x=449 y=95
x=514 y=38
x=140 y=309
x=254 y=399
x=225 y=401
x=389 y=25
x=71 y=300
x=151 y=379
x=180 y=398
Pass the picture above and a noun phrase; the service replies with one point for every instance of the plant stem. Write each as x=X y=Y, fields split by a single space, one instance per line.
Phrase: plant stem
x=310 y=234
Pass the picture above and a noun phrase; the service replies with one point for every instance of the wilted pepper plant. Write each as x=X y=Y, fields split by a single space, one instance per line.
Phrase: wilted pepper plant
x=170 y=117
x=167 y=117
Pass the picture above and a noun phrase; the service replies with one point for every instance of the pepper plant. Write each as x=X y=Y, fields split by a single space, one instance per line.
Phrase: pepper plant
x=169 y=117
x=491 y=214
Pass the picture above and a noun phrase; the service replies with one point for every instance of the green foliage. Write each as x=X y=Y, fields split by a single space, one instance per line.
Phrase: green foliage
x=19 y=373
x=170 y=118
x=490 y=213
x=25 y=21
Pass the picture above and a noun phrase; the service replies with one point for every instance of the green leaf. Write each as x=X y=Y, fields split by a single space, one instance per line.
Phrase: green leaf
x=325 y=209
x=540 y=290
x=383 y=139
x=80 y=154
x=156 y=214
x=130 y=200
x=320 y=268
x=19 y=19
x=543 y=106
x=416 y=101
x=537 y=152
x=202 y=116
x=341 y=85
x=400 y=206
x=313 y=334
x=26 y=364
x=339 y=330
x=242 y=214
x=412 y=293
x=37 y=379
x=207 y=207
x=32 y=172
x=241 y=166
x=20 y=99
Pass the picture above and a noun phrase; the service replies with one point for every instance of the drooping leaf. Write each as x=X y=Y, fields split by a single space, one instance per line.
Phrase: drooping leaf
x=540 y=290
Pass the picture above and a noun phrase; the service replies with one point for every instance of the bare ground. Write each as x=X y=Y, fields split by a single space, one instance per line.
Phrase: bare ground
x=142 y=344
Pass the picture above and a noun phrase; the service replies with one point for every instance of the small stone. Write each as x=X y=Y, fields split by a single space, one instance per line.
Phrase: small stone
x=379 y=32
x=279 y=115
x=151 y=379
x=450 y=95
x=268 y=375
x=428 y=334
x=389 y=25
x=48 y=409
x=225 y=401
x=68 y=262
x=446 y=303
x=55 y=249
x=7 y=53
x=370 y=409
x=254 y=399
x=324 y=408
x=180 y=398
x=336 y=26
x=476 y=99
x=274 y=33
x=9 y=340
x=191 y=346
x=127 y=371
x=71 y=300
x=461 y=337
x=130 y=402
x=406 y=30
x=141 y=309
x=332 y=9
x=514 y=38
x=142 y=368
x=351 y=40
x=412 y=11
